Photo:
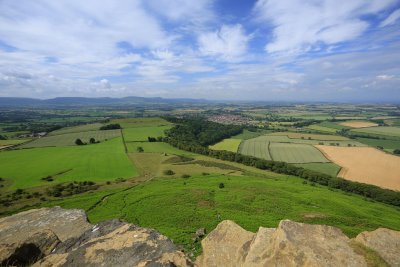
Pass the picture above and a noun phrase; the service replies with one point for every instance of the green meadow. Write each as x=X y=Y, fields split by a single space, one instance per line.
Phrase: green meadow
x=136 y=134
x=249 y=201
x=296 y=153
x=328 y=168
x=154 y=147
x=97 y=162
x=228 y=145
x=12 y=142
x=380 y=130
x=77 y=129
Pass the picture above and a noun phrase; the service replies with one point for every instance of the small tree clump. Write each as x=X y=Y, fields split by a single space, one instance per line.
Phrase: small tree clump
x=92 y=140
x=139 y=149
x=79 y=142
x=169 y=172
x=221 y=185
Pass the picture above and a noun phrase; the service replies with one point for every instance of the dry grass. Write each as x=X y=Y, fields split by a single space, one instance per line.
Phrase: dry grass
x=365 y=165
x=358 y=124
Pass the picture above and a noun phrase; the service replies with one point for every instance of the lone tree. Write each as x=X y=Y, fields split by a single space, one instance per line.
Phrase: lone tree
x=221 y=185
x=139 y=149
x=79 y=142
x=92 y=140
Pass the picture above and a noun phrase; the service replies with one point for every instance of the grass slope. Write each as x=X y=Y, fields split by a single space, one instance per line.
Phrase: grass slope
x=380 y=130
x=255 y=147
x=177 y=207
x=12 y=142
x=141 y=122
x=155 y=147
x=98 y=162
x=69 y=138
x=227 y=144
x=77 y=129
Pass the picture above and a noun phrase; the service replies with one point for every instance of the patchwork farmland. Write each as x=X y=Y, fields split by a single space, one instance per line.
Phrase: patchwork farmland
x=296 y=153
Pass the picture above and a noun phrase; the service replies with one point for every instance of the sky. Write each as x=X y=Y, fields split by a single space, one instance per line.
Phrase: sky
x=269 y=50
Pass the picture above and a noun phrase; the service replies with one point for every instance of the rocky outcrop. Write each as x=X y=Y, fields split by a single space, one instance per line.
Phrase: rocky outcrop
x=385 y=242
x=291 y=244
x=59 y=237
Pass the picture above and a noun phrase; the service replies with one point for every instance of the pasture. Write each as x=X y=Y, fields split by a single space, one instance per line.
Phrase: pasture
x=386 y=144
x=77 y=129
x=358 y=124
x=256 y=148
x=295 y=153
x=380 y=130
x=286 y=139
x=155 y=147
x=137 y=134
x=141 y=122
x=227 y=144
x=69 y=138
x=366 y=165
x=9 y=142
x=319 y=128
x=249 y=201
x=98 y=162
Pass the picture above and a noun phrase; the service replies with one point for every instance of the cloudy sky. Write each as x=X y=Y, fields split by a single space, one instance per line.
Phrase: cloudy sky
x=330 y=50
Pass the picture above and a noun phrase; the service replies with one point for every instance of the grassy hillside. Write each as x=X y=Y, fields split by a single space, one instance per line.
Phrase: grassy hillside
x=178 y=206
x=141 y=133
x=97 y=162
x=227 y=144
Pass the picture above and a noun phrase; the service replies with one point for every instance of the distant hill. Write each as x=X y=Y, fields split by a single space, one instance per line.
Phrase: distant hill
x=80 y=101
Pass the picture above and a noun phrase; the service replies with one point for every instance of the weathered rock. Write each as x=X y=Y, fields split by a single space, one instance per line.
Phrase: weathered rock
x=29 y=250
x=385 y=242
x=115 y=243
x=33 y=234
x=65 y=223
x=225 y=245
x=201 y=232
x=291 y=244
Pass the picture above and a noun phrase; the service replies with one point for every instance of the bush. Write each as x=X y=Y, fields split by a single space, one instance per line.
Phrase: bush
x=120 y=180
x=396 y=151
x=92 y=140
x=185 y=176
x=169 y=172
x=79 y=142
x=112 y=126
x=139 y=149
x=221 y=185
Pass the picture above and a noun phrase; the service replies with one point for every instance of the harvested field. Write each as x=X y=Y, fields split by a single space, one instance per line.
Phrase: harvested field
x=365 y=165
x=227 y=144
x=358 y=124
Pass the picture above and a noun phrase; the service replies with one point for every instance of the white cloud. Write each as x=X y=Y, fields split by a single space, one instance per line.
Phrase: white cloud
x=229 y=43
x=393 y=17
x=302 y=25
x=385 y=77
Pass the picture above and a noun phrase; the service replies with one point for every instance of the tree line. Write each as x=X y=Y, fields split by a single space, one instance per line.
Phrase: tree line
x=194 y=135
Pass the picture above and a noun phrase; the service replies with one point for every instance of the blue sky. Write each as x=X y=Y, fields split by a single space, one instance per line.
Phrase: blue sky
x=273 y=50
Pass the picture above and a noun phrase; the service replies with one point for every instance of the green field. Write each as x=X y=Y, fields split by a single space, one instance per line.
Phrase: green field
x=77 y=129
x=327 y=168
x=98 y=162
x=380 y=130
x=386 y=144
x=286 y=139
x=141 y=122
x=320 y=128
x=227 y=144
x=249 y=201
x=12 y=142
x=248 y=135
x=296 y=153
x=155 y=147
x=138 y=134
x=69 y=138
x=256 y=148
x=322 y=137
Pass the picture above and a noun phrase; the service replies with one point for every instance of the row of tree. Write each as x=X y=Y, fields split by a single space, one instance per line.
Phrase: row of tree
x=186 y=135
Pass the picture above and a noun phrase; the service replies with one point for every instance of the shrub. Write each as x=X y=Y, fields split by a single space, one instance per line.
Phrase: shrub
x=92 y=140
x=139 y=149
x=185 y=176
x=169 y=172
x=221 y=185
x=79 y=142
x=112 y=126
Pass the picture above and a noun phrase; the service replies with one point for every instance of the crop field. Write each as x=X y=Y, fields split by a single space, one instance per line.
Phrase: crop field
x=155 y=147
x=69 y=138
x=137 y=134
x=386 y=144
x=248 y=135
x=141 y=122
x=98 y=162
x=256 y=148
x=322 y=137
x=227 y=144
x=249 y=201
x=366 y=165
x=286 y=139
x=12 y=142
x=296 y=153
x=78 y=129
x=358 y=124
x=380 y=130
x=319 y=128
x=327 y=168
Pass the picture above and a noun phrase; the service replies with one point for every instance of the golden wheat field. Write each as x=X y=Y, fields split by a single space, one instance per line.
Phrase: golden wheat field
x=358 y=124
x=365 y=165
